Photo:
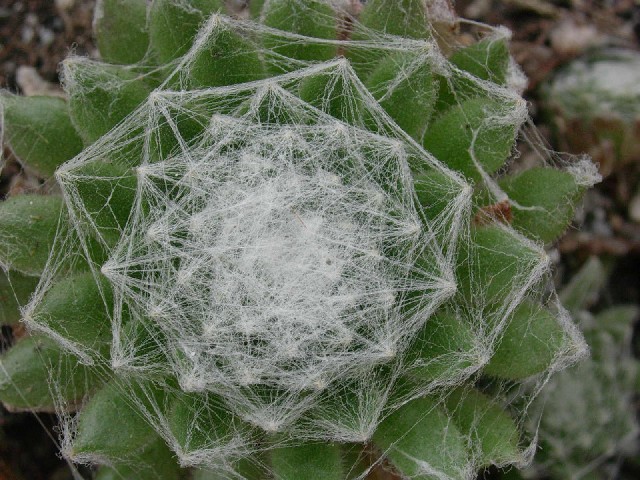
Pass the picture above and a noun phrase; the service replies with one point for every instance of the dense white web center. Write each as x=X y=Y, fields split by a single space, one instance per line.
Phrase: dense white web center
x=286 y=257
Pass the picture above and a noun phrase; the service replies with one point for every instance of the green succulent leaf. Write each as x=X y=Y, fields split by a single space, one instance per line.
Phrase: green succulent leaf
x=436 y=192
x=334 y=95
x=28 y=225
x=405 y=87
x=101 y=95
x=529 y=343
x=77 y=309
x=487 y=59
x=200 y=421
x=422 y=443
x=493 y=435
x=155 y=462
x=120 y=29
x=584 y=288
x=310 y=461
x=173 y=25
x=39 y=131
x=107 y=190
x=172 y=132
x=37 y=374
x=312 y=18
x=248 y=468
x=444 y=349
x=467 y=141
x=490 y=264
x=227 y=59
x=269 y=108
x=405 y=18
x=545 y=201
x=112 y=426
x=15 y=290
x=346 y=407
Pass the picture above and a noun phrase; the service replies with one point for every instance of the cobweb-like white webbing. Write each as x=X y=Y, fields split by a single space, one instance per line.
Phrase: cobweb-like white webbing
x=288 y=254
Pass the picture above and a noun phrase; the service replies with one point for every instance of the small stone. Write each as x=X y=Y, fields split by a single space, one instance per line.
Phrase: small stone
x=27 y=34
x=64 y=5
x=46 y=36
x=31 y=83
x=569 y=38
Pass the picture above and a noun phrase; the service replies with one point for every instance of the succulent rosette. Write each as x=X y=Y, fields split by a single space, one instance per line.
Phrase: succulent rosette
x=289 y=247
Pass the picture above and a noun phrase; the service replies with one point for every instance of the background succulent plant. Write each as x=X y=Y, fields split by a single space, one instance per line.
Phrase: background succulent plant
x=290 y=247
x=590 y=425
x=593 y=103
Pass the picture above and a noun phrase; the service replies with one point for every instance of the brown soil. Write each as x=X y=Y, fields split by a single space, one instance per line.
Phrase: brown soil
x=36 y=33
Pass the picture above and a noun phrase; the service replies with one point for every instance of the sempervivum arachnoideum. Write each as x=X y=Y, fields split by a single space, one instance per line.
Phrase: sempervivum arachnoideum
x=290 y=247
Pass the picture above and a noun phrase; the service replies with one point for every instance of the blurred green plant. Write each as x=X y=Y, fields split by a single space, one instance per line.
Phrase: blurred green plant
x=594 y=106
x=590 y=424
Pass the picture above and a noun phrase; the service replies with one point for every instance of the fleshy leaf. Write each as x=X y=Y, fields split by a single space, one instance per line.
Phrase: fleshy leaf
x=493 y=435
x=443 y=349
x=173 y=25
x=471 y=137
x=548 y=198
x=307 y=461
x=120 y=29
x=487 y=59
x=107 y=190
x=405 y=18
x=37 y=374
x=15 y=290
x=529 y=343
x=247 y=468
x=405 y=87
x=28 y=225
x=199 y=422
x=335 y=95
x=493 y=261
x=154 y=462
x=226 y=59
x=101 y=95
x=422 y=443
x=312 y=18
x=74 y=308
x=39 y=131
x=112 y=426
x=436 y=192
